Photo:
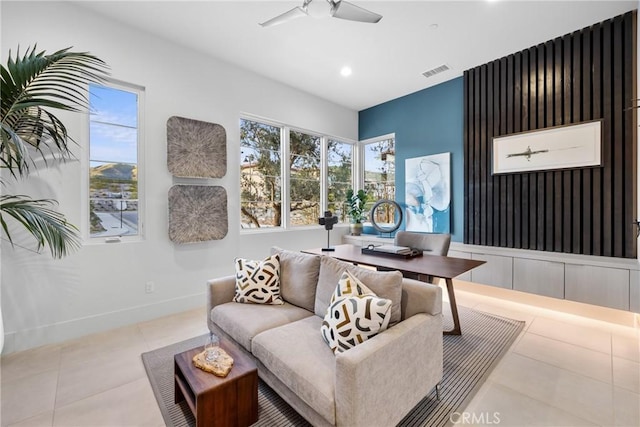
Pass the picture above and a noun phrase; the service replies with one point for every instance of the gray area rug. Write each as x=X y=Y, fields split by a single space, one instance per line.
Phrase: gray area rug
x=468 y=360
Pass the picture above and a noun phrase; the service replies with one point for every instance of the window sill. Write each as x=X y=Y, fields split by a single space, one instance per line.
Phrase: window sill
x=290 y=229
x=95 y=241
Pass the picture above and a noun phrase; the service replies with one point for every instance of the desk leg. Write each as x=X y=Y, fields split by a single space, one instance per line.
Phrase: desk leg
x=454 y=310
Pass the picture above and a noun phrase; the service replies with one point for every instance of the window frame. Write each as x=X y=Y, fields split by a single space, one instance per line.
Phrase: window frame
x=287 y=215
x=285 y=173
x=355 y=171
x=361 y=161
x=283 y=134
x=86 y=168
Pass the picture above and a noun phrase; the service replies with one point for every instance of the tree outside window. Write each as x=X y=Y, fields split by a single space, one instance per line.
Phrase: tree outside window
x=339 y=177
x=262 y=199
x=260 y=180
x=304 y=178
x=380 y=176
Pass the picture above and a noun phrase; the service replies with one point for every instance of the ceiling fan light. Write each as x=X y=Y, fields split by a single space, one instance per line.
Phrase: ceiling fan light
x=344 y=10
x=319 y=9
x=341 y=9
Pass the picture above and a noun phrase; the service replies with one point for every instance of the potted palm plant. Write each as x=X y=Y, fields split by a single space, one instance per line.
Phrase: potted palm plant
x=32 y=85
x=355 y=209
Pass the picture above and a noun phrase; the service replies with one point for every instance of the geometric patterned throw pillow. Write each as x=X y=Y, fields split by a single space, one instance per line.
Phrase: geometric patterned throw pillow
x=354 y=315
x=258 y=281
x=349 y=286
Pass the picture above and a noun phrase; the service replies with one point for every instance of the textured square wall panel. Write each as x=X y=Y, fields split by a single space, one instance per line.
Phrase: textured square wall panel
x=197 y=213
x=196 y=149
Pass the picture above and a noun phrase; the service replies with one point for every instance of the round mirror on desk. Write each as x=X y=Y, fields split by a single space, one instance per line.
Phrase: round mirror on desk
x=386 y=216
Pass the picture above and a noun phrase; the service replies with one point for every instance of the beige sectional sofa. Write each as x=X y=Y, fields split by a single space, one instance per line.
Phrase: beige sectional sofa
x=375 y=383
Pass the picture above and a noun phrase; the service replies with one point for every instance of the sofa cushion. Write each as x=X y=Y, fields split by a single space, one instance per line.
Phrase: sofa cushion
x=242 y=322
x=298 y=277
x=354 y=315
x=258 y=281
x=299 y=358
x=387 y=285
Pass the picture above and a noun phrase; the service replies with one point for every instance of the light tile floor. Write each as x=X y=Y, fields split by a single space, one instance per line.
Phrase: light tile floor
x=563 y=370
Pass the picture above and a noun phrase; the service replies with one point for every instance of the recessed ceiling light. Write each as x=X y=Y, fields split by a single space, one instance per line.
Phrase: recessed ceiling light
x=433 y=26
x=346 y=71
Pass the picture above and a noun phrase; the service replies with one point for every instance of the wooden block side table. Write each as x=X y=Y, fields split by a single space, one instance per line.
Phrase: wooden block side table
x=215 y=401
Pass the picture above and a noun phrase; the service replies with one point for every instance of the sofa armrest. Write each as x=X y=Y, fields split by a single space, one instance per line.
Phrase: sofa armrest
x=379 y=381
x=420 y=297
x=219 y=291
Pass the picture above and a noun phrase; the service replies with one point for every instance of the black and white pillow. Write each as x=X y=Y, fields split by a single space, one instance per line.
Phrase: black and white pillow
x=258 y=281
x=354 y=315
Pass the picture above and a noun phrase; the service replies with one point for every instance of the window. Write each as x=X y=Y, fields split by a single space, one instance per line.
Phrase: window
x=379 y=174
x=339 y=176
x=114 y=186
x=260 y=175
x=266 y=185
x=304 y=178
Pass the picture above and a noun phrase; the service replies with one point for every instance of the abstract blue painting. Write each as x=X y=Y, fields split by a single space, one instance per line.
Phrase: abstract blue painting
x=428 y=193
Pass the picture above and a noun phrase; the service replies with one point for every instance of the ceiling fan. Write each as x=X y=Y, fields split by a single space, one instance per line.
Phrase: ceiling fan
x=334 y=8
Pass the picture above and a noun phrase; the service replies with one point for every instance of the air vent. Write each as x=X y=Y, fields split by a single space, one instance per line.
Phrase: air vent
x=441 y=69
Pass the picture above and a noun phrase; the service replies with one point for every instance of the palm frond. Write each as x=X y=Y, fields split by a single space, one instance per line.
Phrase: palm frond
x=30 y=85
x=14 y=152
x=47 y=226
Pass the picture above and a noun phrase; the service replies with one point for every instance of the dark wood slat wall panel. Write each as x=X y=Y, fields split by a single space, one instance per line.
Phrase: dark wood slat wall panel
x=630 y=152
x=476 y=157
x=567 y=181
x=596 y=101
x=509 y=211
x=586 y=75
x=496 y=131
x=502 y=239
x=541 y=115
x=549 y=217
x=557 y=120
x=524 y=189
x=533 y=124
x=587 y=84
x=607 y=199
x=489 y=133
x=576 y=91
x=517 y=127
x=618 y=134
x=484 y=150
x=468 y=163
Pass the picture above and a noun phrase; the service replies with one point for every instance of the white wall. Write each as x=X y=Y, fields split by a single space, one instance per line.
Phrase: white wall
x=102 y=286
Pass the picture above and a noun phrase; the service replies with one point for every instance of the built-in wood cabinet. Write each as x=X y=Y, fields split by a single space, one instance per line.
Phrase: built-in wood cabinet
x=498 y=270
x=539 y=277
x=604 y=286
x=603 y=281
x=634 y=291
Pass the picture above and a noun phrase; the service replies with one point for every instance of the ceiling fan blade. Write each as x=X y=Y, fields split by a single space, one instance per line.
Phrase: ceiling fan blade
x=296 y=12
x=345 y=10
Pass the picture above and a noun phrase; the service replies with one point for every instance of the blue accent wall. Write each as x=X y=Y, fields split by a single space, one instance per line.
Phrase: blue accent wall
x=430 y=121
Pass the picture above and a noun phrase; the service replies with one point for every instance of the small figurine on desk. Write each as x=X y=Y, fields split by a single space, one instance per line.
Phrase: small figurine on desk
x=328 y=220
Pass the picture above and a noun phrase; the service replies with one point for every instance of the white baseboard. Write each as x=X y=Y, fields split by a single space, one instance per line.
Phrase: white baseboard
x=70 y=329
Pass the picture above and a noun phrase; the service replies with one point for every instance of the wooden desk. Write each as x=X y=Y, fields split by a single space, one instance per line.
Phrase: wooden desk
x=429 y=265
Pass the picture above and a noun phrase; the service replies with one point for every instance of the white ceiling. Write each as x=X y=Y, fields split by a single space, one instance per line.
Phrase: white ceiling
x=387 y=58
